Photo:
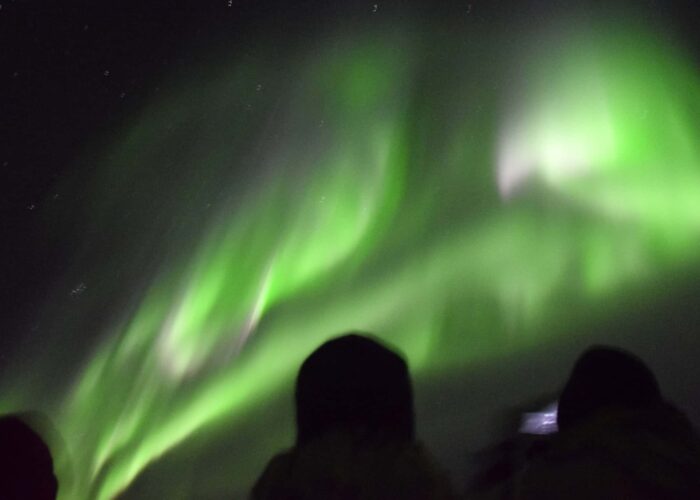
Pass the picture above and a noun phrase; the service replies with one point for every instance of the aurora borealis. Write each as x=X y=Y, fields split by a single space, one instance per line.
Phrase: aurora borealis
x=266 y=201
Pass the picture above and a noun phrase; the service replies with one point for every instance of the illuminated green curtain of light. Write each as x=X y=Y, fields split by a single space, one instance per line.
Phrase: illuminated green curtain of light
x=589 y=184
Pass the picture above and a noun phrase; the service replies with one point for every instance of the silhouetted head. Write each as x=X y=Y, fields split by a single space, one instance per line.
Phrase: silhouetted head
x=26 y=467
x=354 y=383
x=606 y=377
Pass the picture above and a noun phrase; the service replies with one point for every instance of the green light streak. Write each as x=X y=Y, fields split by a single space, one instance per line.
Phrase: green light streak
x=290 y=235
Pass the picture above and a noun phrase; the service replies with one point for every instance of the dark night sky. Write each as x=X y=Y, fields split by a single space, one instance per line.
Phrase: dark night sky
x=71 y=74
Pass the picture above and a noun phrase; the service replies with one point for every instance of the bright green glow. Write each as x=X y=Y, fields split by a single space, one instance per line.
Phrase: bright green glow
x=356 y=220
x=290 y=235
x=608 y=127
x=614 y=129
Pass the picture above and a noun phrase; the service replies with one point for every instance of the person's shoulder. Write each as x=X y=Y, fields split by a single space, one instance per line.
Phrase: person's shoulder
x=274 y=474
x=618 y=453
x=418 y=469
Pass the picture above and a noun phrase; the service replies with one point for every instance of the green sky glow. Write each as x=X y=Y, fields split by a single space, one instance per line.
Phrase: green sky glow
x=350 y=202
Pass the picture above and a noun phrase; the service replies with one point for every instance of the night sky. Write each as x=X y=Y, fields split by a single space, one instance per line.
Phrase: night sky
x=195 y=195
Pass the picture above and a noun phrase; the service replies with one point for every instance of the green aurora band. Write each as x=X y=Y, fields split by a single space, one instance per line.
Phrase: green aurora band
x=374 y=204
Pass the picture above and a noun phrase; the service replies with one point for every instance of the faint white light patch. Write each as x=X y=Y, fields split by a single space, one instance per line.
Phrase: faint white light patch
x=551 y=157
x=170 y=359
x=375 y=7
x=563 y=160
x=178 y=362
x=79 y=289
x=541 y=422
x=514 y=166
x=256 y=312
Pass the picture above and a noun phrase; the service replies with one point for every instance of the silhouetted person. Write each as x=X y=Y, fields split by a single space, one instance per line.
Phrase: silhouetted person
x=617 y=437
x=355 y=431
x=26 y=466
x=605 y=378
